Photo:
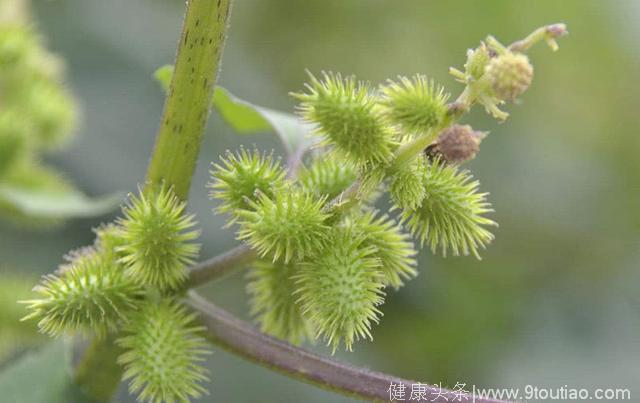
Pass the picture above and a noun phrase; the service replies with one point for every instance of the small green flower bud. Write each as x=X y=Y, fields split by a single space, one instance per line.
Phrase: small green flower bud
x=477 y=60
x=510 y=75
x=456 y=144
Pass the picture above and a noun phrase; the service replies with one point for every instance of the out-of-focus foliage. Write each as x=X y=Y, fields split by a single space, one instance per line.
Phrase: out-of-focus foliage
x=37 y=115
x=42 y=375
x=554 y=300
x=15 y=335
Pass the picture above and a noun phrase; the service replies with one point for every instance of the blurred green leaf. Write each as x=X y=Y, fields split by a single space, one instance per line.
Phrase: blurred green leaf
x=16 y=335
x=247 y=118
x=45 y=203
x=163 y=76
x=33 y=194
x=41 y=376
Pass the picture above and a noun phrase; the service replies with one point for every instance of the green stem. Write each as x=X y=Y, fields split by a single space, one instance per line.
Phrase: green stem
x=408 y=151
x=97 y=372
x=188 y=102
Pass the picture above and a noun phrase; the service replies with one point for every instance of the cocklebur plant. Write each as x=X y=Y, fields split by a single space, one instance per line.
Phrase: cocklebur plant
x=123 y=285
x=322 y=252
x=402 y=137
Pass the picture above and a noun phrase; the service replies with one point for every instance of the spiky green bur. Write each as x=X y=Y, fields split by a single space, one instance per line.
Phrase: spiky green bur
x=393 y=247
x=451 y=214
x=272 y=302
x=416 y=105
x=406 y=187
x=238 y=178
x=346 y=115
x=89 y=294
x=163 y=354
x=327 y=175
x=157 y=237
x=291 y=226
x=340 y=289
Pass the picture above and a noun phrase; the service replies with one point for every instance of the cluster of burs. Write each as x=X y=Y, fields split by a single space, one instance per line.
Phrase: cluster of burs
x=326 y=255
x=37 y=116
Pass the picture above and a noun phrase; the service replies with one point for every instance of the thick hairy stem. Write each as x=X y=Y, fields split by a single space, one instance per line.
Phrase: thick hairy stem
x=242 y=339
x=188 y=102
x=177 y=147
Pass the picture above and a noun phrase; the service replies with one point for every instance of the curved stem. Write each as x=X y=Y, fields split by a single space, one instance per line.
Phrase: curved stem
x=242 y=339
x=219 y=266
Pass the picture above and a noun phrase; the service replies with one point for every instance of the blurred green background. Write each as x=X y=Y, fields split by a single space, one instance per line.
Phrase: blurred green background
x=553 y=302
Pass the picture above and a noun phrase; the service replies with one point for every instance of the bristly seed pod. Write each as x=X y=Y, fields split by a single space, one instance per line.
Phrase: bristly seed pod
x=415 y=104
x=90 y=293
x=273 y=304
x=157 y=234
x=451 y=216
x=163 y=354
x=241 y=177
x=394 y=247
x=340 y=289
x=406 y=187
x=289 y=226
x=345 y=112
x=510 y=75
x=327 y=175
x=456 y=144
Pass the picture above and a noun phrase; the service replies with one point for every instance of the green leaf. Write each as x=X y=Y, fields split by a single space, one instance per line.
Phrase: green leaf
x=41 y=376
x=38 y=195
x=247 y=118
x=46 y=203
